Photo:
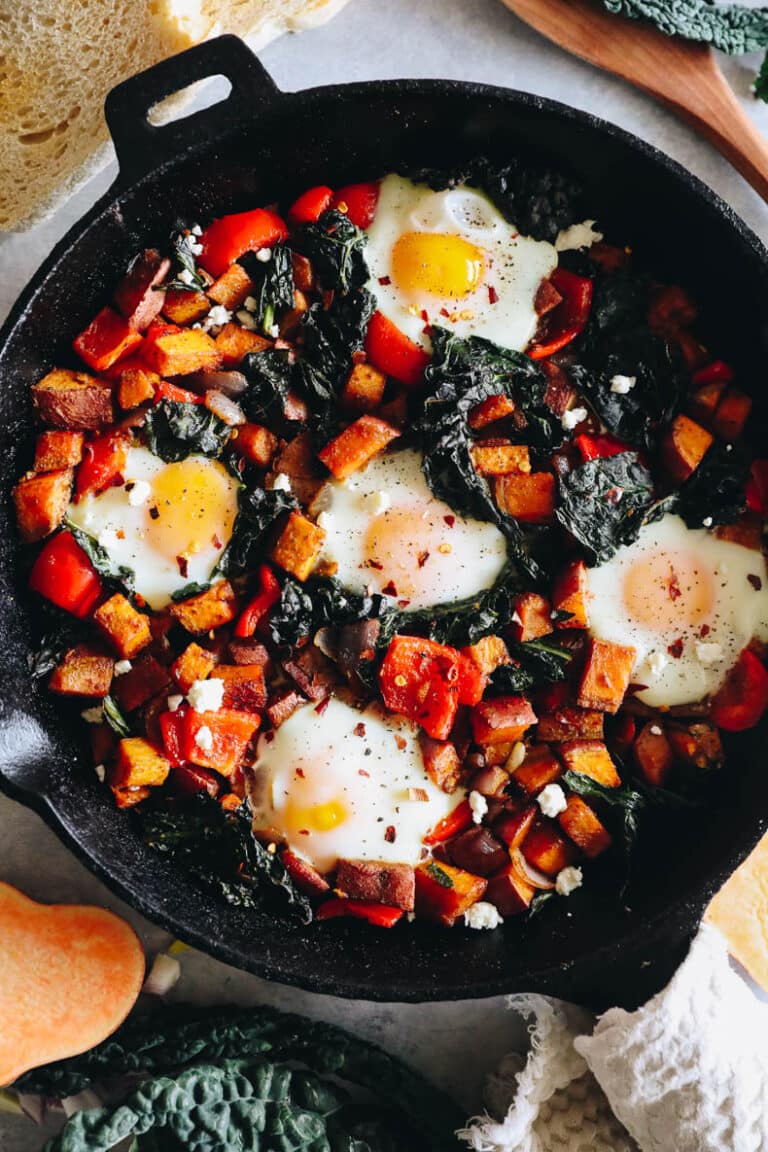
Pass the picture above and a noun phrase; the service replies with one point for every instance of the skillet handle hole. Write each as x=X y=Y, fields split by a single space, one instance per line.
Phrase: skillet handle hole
x=192 y=98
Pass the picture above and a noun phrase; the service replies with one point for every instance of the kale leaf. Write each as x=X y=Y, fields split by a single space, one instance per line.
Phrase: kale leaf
x=60 y=631
x=272 y=284
x=731 y=28
x=304 y=608
x=761 y=82
x=336 y=248
x=716 y=490
x=259 y=508
x=181 y=242
x=114 y=717
x=175 y=430
x=602 y=503
x=269 y=376
x=536 y=662
x=628 y=800
x=101 y=559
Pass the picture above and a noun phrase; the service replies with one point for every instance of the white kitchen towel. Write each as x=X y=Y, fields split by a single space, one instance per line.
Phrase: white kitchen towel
x=688 y=1072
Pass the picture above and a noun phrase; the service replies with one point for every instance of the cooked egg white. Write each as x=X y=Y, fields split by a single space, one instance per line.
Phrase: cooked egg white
x=335 y=782
x=687 y=602
x=450 y=258
x=385 y=530
x=169 y=523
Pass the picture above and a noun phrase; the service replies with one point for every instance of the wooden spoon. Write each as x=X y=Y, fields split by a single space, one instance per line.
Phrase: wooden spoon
x=683 y=75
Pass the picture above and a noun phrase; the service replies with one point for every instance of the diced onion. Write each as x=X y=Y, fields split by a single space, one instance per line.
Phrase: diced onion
x=163 y=974
x=226 y=409
x=534 y=877
x=32 y=1106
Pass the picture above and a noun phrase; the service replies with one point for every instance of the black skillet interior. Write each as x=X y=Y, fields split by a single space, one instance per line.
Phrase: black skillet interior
x=262 y=145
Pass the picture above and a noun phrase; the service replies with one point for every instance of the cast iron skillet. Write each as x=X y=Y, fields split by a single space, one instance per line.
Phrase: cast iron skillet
x=258 y=146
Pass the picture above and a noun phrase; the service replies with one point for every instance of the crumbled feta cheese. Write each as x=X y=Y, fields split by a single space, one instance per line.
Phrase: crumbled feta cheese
x=246 y=320
x=479 y=806
x=218 y=317
x=655 y=730
x=582 y=235
x=657 y=662
x=552 y=800
x=93 y=715
x=568 y=880
x=204 y=738
x=107 y=538
x=516 y=756
x=195 y=248
x=377 y=502
x=729 y=447
x=482 y=915
x=264 y=254
x=251 y=304
x=707 y=522
x=185 y=276
x=708 y=653
x=101 y=773
x=122 y=667
x=206 y=695
x=281 y=483
x=274 y=331
x=174 y=703
x=516 y=618
x=572 y=417
x=139 y=493
x=196 y=230
x=622 y=384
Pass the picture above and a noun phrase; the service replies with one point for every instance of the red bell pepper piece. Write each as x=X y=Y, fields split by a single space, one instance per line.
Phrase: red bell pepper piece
x=268 y=594
x=380 y=915
x=566 y=321
x=166 y=391
x=172 y=728
x=718 y=372
x=310 y=205
x=230 y=733
x=229 y=236
x=604 y=445
x=743 y=698
x=456 y=821
x=472 y=681
x=107 y=339
x=392 y=352
x=358 y=202
x=420 y=679
x=757 y=487
x=103 y=464
x=64 y=575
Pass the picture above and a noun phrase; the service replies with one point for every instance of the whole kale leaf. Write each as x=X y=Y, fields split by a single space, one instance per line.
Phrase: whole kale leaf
x=603 y=503
x=272 y=284
x=336 y=248
x=258 y=510
x=174 y=430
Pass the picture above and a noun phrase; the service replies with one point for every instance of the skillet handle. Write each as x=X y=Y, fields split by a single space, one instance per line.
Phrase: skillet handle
x=143 y=147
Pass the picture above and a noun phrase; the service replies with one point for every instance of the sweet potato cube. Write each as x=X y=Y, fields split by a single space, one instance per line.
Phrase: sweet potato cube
x=283 y=705
x=139 y=764
x=123 y=625
x=443 y=893
x=135 y=387
x=606 y=676
x=303 y=272
x=41 y=502
x=560 y=393
x=652 y=753
x=234 y=342
x=547 y=849
x=684 y=447
x=129 y=797
x=298 y=462
x=306 y=878
x=364 y=389
x=732 y=414
x=441 y=761
x=487 y=654
x=195 y=663
x=502 y=720
x=356 y=445
x=378 y=881
x=490 y=410
x=509 y=891
x=56 y=450
x=495 y=754
x=208 y=610
x=590 y=758
x=172 y=353
x=569 y=723
x=182 y=306
x=146 y=679
x=582 y=826
x=530 y=498
x=513 y=827
x=83 y=672
x=501 y=459
x=107 y=339
x=231 y=288
x=492 y=780
x=534 y=617
x=697 y=744
x=570 y=593
x=540 y=767
x=705 y=400
x=747 y=531
x=138 y=297
x=244 y=687
x=256 y=443
x=298 y=546
x=73 y=400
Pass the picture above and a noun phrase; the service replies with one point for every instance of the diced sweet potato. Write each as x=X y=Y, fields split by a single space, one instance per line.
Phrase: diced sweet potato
x=298 y=546
x=582 y=826
x=502 y=720
x=356 y=445
x=135 y=387
x=652 y=754
x=501 y=459
x=83 y=672
x=234 y=342
x=747 y=531
x=547 y=298
x=244 y=686
x=303 y=272
x=671 y=309
x=492 y=780
x=606 y=676
x=313 y=673
x=177 y=353
x=73 y=400
x=218 y=740
x=547 y=849
x=570 y=593
x=290 y=320
x=364 y=389
x=732 y=414
x=509 y=891
x=126 y=628
x=137 y=296
x=298 y=462
x=441 y=761
x=590 y=758
x=379 y=881
x=534 y=617
x=495 y=754
x=443 y=893
x=194 y=663
x=283 y=705
x=490 y=410
x=103 y=743
x=560 y=393
x=57 y=450
x=306 y=878
x=513 y=827
x=146 y=679
x=139 y=764
x=705 y=400
x=185 y=306
x=540 y=767
x=249 y=651
x=684 y=447
x=208 y=610
x=696 y=744
x=568 y=723
x=487 y=654
x=529 y=498
x=256 y=443
x=231 y=288
x=130 y=797
x=478 y=851
x=41 y=502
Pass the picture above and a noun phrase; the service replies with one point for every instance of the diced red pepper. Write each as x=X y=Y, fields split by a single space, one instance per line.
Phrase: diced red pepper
x=757 y=487
x=166 y=391
x=229 y=236
x=602 y=446
x=472 y=681
x=718 y=372
x=230 y=731
x=743 y=698
x=103 y=464
x=310 y=206
x=107 y=339
x=394 y=353
x=64 y=575
x=265 y=598
x=189 y=780
x=172 y=728
x=358 y=201
x=456 y=821
x=566 y=321
x=380 y=915
x=420 y=679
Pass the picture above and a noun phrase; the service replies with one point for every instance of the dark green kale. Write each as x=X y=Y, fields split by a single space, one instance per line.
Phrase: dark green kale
x=181 y=241
x=270 y=377
x=731 y=28
x=716 y=491
x=272 y=284
x=59 y=631
x=292 y=620
x=536 y=662
x=603 y=503
x=219 y=850
x=175 y=430
x=103 y=563
x=194 y=588
x=115 y=718
x=304 y=608
x=761 y=82
x=259 y=508
x=336 y=248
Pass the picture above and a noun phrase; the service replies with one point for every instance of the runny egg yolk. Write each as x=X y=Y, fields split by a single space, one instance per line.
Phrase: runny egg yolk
x=189 y=507
x=301 y=819
x=665 y=591
x=398 y=543
x=437 y=263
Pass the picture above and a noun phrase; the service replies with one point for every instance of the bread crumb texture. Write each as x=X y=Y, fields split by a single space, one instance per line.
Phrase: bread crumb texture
x=60 y=58
x=740 y=912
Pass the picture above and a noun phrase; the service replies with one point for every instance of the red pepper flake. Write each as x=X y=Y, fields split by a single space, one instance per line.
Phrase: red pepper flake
x=359 y=357
x=704 y=630
x=390 y=834
x=445 y=312
x=676 y=648
x=321 y=707
x=300 y=773
x=375 y=564
x=450 y=520
x=673 y=586
x=427 y=330
x=359 y=729
x=403 y=603
x=492 y=294
x=120 y=534
x=362 y=772
x=183 y=564
x=216 y=541
x=755 y=581
x=140 y=601
x=385 y=280
x=303 y=831
x=424 y=315
x=633 y=689
x=401 y=742
x=422 y=558
x=389 y=589
x=614 y=495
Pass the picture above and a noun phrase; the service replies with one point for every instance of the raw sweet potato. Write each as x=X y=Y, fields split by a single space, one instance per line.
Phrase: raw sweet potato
x=732 y=414
x=177 y=352
x=208 y=610
x=356 y=445
x=58 y=449
x=582 y=826
x=123 y=625
x=194 y=663
x=244 y=686
x=606 y=676
x=72 y=400
x=256 y=443
x=298 y=546
x=41 y=502
x=534 y=617
x=490 y=410
x=509 y=891
x=502 y=720
x=138 y=297
x=441 y=761
x=696 y=744
x=185 y=306
x=234 y=342
x=379 y=881
x=363 y=389
x=135 y=387
x=530 y=498
x=652 y=754
x=568 y=723
x=539 y=768
x=84 y=671
x=570 y=593
x=501 y=459
x=590 y=758
x=684 y=447
x=547 y=849
x=139 y=764
x=231 y=288
x=443 y=893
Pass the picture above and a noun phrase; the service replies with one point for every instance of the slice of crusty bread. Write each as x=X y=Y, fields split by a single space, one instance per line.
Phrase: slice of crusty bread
x=59 y=58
